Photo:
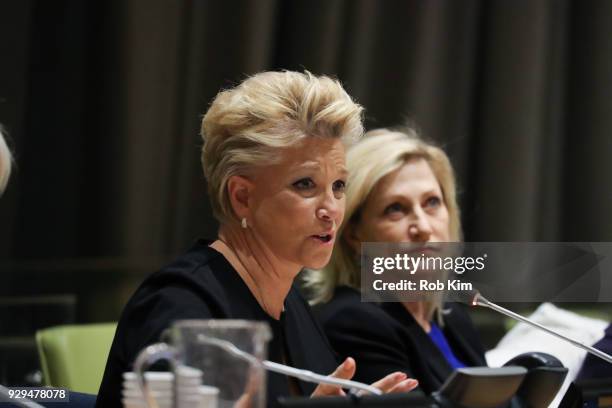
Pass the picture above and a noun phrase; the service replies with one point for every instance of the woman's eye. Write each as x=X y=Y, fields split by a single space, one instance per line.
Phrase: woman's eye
x=395 y=207
x=433 y=202
x=304 y=184
x=339 y=186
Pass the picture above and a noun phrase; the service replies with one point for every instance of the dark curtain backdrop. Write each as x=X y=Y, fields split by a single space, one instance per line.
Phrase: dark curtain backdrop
x=103 y=99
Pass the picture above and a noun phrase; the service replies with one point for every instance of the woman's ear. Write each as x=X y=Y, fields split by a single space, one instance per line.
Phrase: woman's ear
x=240 y=190
x=351 y=236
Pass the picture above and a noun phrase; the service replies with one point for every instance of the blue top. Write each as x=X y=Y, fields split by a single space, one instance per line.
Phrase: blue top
x=438 y=338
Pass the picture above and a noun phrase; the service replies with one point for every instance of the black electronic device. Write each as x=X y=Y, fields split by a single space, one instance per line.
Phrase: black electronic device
x=480 y=387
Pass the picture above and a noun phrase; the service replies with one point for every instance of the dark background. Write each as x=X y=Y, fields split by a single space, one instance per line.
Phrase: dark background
x=102 y=102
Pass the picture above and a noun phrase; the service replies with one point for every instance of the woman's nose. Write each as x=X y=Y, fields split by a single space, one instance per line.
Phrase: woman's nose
x=420 y=227
x=324 y=214
x=330 y=208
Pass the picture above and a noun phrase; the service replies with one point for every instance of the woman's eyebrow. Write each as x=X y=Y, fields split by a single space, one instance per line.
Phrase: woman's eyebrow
x=306 y=165
x=393 y=197
x=315 y=166
x=430 y=191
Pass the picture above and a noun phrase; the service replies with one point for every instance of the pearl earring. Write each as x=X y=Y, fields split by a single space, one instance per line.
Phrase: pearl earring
x=244 y=223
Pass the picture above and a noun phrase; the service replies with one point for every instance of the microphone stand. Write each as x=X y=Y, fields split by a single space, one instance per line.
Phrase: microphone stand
x=480 y=300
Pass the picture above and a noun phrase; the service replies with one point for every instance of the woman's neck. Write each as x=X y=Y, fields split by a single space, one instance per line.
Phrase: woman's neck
x=418 y=310
x=267 y=277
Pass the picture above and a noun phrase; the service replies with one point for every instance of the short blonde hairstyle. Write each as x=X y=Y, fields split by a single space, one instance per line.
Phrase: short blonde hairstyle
x=5 y=163
x=379 y=153
x=247 y=125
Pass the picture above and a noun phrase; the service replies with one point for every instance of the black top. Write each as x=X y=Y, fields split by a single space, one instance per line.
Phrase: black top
x=386 y=338
x=202 y=284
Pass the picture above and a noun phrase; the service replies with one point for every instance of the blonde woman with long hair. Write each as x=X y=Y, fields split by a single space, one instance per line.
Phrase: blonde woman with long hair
x=399 y=189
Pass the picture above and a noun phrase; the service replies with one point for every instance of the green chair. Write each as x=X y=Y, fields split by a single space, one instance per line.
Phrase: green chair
x=74 y=356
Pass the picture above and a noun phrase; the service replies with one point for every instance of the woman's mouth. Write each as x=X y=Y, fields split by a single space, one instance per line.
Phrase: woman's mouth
x=323 y=238
x=429 y=249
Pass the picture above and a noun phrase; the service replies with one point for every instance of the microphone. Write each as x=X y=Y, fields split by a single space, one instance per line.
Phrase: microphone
x=474 y=298
x=304 y=375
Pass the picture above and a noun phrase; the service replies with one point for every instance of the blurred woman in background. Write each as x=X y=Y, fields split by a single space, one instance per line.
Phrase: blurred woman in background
x=5 y=163
x=400 y=189
x=274 y=160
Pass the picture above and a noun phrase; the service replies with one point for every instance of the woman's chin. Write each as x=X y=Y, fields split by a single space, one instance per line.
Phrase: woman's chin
x=318 y=262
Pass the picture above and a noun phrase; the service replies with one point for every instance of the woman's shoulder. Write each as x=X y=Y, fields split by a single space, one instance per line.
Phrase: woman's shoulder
x=199 y=277
x=346 y=305
x=196 y=285
x=200 y=267
x=344 y=298
x=195 y=263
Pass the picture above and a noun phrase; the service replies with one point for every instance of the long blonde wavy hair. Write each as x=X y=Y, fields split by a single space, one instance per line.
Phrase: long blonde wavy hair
x=379 y=153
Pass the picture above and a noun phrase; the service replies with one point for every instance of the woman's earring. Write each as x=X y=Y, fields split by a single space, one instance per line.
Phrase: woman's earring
x=244 y=223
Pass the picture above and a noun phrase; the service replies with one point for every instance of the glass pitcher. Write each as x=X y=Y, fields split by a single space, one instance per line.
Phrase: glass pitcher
x=201 y=346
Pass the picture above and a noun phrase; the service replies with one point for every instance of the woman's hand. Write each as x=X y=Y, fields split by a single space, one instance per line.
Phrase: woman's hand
x=346 y=371
x=394 y=382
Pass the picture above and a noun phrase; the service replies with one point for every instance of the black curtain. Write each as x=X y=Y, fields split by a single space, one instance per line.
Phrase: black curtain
x=102 y=101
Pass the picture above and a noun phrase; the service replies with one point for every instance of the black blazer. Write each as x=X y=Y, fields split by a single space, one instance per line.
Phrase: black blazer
x=386 y=338
x=202 y=284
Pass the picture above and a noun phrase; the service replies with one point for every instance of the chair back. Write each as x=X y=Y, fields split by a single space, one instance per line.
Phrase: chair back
x=74 y=356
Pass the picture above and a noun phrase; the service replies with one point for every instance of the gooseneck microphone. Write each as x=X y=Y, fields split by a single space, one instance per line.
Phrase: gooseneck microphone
x=474 y=298
x=304 y=375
